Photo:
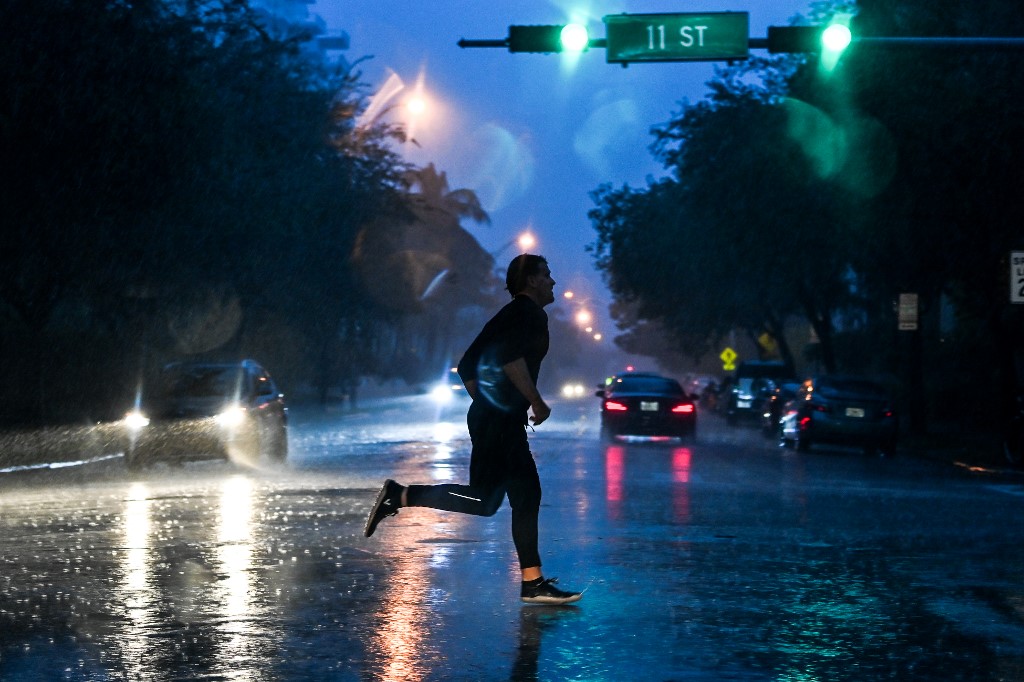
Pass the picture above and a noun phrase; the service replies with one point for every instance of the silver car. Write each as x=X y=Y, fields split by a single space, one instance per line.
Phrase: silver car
x=203 y=410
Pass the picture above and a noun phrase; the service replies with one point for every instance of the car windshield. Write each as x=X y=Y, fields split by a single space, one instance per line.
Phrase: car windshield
x=647 y=385
x=202 y=382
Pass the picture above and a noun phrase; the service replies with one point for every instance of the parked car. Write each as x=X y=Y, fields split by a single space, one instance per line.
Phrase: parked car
x=208 y=411
x=773 y=404
x=645 y=404
x=841 y=410
x=751 y=386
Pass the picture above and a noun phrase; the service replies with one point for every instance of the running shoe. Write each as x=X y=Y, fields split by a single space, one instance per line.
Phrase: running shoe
x=545 y=592
x=389 y=499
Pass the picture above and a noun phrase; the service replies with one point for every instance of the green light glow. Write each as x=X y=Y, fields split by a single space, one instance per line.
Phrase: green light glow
x=836 y=38
x=574 y=38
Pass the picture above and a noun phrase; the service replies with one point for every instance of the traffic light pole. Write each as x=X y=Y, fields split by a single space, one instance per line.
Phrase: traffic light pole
x=941 y=42
x=463 y=42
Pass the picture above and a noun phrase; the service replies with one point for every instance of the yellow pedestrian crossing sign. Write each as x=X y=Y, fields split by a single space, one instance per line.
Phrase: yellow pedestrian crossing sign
x=728 y=359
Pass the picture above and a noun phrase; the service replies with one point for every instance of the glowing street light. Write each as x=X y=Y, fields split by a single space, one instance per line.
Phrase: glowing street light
x=524 y=240
x=584 y=317
x=416 y=105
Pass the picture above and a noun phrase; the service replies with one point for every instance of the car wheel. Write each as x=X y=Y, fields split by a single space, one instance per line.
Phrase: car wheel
x=277 y=445
x=133 y=462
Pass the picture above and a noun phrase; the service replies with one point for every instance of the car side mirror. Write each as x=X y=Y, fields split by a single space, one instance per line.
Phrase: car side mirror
x=599 y=393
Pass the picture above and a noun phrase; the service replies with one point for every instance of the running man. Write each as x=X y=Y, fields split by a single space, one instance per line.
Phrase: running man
x=500 y=370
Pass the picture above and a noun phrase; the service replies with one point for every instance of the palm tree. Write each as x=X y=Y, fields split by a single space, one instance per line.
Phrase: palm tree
x=420 y=253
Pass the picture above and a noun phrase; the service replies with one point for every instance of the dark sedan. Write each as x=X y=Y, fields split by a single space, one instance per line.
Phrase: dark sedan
x=646 y=405
x=208 y=411
x=841 y=411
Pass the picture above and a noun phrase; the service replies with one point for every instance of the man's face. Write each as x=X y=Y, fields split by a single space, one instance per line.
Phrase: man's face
x=542 y=285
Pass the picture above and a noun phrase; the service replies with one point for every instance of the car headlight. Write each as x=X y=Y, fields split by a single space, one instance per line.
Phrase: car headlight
x=232 y=416
x=135 y=420
x=442 y=394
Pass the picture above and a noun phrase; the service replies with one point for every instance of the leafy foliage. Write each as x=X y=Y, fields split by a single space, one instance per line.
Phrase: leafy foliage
x=177 y=182
x=797 y=192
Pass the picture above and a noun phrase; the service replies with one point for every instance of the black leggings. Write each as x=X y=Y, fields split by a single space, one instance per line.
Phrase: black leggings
x=500 y=464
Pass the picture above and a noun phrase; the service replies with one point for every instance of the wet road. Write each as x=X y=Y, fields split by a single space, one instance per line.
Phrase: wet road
x=722 y=559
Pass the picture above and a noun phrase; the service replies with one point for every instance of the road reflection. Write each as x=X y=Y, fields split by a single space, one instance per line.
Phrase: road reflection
x=401 y=634
x=212 y=598
x=647 y=463
x=234 y=551
x=138 y=586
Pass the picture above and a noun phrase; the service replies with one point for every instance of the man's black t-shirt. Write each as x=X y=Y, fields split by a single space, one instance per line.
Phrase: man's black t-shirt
x=519 y=330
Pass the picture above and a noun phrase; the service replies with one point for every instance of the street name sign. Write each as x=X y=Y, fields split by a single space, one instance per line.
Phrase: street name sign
x=707 y=36
x=1017 y=277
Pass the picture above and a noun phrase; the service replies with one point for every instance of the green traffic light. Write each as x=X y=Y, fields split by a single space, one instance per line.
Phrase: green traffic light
x=836 y=37
x=574 y=38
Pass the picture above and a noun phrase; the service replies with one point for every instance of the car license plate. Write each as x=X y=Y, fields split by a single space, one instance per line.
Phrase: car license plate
x=646 y=406
x=742 y=403
x=854 y=412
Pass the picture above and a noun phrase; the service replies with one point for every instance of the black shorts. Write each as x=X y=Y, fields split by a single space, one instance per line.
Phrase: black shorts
x=501 y=452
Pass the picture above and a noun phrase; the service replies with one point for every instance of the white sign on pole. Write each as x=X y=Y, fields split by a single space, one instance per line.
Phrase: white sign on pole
x=907 y=313
x=1017 y=277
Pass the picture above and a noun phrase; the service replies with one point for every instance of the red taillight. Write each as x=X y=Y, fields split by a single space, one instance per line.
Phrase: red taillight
x=822 y=408
x=685 y=408
x=804 y=423
x=613 y=406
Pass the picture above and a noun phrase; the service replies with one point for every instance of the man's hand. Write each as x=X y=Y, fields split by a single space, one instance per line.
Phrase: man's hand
x=541 y=411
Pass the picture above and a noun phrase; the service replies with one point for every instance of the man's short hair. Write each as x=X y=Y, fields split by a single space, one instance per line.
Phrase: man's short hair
x=521 y=269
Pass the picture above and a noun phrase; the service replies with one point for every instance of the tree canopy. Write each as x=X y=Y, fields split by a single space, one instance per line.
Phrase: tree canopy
x=795 y=192
x=180 y=180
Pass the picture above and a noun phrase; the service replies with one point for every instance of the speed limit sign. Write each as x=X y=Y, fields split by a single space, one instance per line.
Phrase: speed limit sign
x=1017 y=277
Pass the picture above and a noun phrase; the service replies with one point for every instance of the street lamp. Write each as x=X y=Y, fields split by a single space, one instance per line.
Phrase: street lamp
x=524 y=240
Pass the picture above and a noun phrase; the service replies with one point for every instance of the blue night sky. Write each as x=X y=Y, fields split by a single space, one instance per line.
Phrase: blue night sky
x=531 y=134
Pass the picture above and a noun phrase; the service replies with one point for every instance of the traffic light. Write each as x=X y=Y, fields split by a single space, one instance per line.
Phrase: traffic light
x=833 y=38
x=547 y=38
x=794 y=39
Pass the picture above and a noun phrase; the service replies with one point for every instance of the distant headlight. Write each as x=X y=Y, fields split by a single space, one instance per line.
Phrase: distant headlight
x=136 y=420
x=573 y=390
x=232 y=416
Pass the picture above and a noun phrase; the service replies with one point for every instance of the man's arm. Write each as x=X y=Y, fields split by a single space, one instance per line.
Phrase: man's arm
x=520 y=377
x=470 y=385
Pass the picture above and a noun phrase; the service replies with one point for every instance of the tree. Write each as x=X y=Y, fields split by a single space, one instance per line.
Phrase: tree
x=746 y=232
x=944 y=217
x=170 y=187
